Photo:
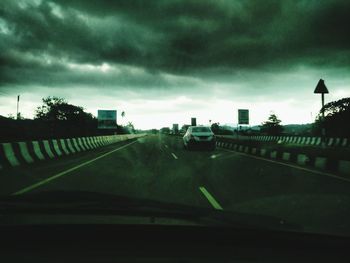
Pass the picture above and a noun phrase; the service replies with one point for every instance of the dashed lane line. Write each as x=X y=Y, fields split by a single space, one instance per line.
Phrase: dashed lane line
x=47 y=180
x=210 y=198
x=175 y=157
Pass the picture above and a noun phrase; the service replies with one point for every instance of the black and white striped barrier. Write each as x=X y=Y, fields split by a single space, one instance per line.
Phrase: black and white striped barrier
x=315 y=141
x=18 y=153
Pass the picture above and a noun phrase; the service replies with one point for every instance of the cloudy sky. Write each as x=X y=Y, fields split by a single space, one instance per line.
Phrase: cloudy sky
x=163 y=62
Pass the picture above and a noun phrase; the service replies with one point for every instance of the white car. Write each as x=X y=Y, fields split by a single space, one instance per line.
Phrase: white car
x=199 y=135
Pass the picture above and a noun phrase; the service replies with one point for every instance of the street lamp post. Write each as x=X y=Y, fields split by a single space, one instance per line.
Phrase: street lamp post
x=322 y=89
x=17 y=113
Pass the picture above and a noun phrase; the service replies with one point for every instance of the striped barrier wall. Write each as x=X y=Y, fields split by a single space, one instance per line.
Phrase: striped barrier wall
x=81 y=145
x=337 y=142
x=313 y=140
x=64 y=147
x=87 y=143
x=318 y=141
x=25 y=152
x=9 y=154
x=330 y=142
x=304 y=140
x=18 y=153
x=308 y=140
x=56 y=148
x=75 y=145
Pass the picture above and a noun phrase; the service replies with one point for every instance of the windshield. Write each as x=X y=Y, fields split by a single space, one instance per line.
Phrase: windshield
x=201 y=129
x=96 y=98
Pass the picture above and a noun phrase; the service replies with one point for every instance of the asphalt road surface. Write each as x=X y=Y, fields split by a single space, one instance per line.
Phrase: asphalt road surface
x=158 y=167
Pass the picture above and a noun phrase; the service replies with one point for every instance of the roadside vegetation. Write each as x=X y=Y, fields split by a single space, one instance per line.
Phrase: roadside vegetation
x=56 y=118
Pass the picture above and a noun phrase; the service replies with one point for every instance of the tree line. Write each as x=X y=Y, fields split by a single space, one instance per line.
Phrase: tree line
x=56 y=118
x=336 y=122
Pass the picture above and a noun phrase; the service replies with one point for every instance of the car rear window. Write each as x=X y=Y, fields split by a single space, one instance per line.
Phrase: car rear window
x=201 y=129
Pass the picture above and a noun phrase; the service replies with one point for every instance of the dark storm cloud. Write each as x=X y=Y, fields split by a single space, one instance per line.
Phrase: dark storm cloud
x=39 y=39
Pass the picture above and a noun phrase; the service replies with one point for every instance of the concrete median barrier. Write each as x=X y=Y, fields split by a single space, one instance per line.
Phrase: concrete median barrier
x=20 y=153
x=38 y=153
x=70 y=145
x=25 y=152
x=56 y=148
x=64 y=147
x=301 y=140
x=48 y=149
x=9 y=155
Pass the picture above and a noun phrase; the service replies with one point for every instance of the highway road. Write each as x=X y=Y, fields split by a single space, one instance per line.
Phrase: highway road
x=157 y=167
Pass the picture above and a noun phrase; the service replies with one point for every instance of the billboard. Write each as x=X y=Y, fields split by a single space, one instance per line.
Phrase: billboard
x=107 y=119
x=193 y=122
x=243 y=116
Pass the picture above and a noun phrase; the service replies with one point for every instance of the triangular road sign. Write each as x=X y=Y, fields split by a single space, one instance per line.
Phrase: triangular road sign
x=321 y=87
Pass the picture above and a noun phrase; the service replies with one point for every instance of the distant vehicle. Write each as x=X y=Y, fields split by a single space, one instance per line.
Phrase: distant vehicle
x=199 y=136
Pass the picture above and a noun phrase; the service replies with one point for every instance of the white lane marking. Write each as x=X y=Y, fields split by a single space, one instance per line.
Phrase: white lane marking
x=47 y=180
x=175 y=157
x=210 y=198
x=291 y=165
x=166 y=146
x=214 y=156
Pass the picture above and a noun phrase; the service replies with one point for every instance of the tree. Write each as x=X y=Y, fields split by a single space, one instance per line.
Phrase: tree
x=337 y=119
x=272 y=126
x=165 y=130
x=58 y=118
x=57 y=109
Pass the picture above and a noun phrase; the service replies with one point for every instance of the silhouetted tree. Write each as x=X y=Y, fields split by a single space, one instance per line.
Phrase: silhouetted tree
x=57 y=109
x=337 y=119
x=63 y=119
x=272 y=126
x=165 y=130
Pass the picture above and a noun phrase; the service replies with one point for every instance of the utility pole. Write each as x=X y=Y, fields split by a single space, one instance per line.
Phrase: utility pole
x=17 y=106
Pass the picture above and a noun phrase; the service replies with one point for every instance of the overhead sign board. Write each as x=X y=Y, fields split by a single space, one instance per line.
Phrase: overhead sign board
x=243 y=116
x=107 y=119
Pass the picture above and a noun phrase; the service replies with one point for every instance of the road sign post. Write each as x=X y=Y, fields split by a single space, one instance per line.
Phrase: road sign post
x=322 y=89
x=243 y=118
x=107 y=120
x=193 y=122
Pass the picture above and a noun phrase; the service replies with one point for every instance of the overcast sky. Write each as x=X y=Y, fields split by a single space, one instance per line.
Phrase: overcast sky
x=163 y=62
